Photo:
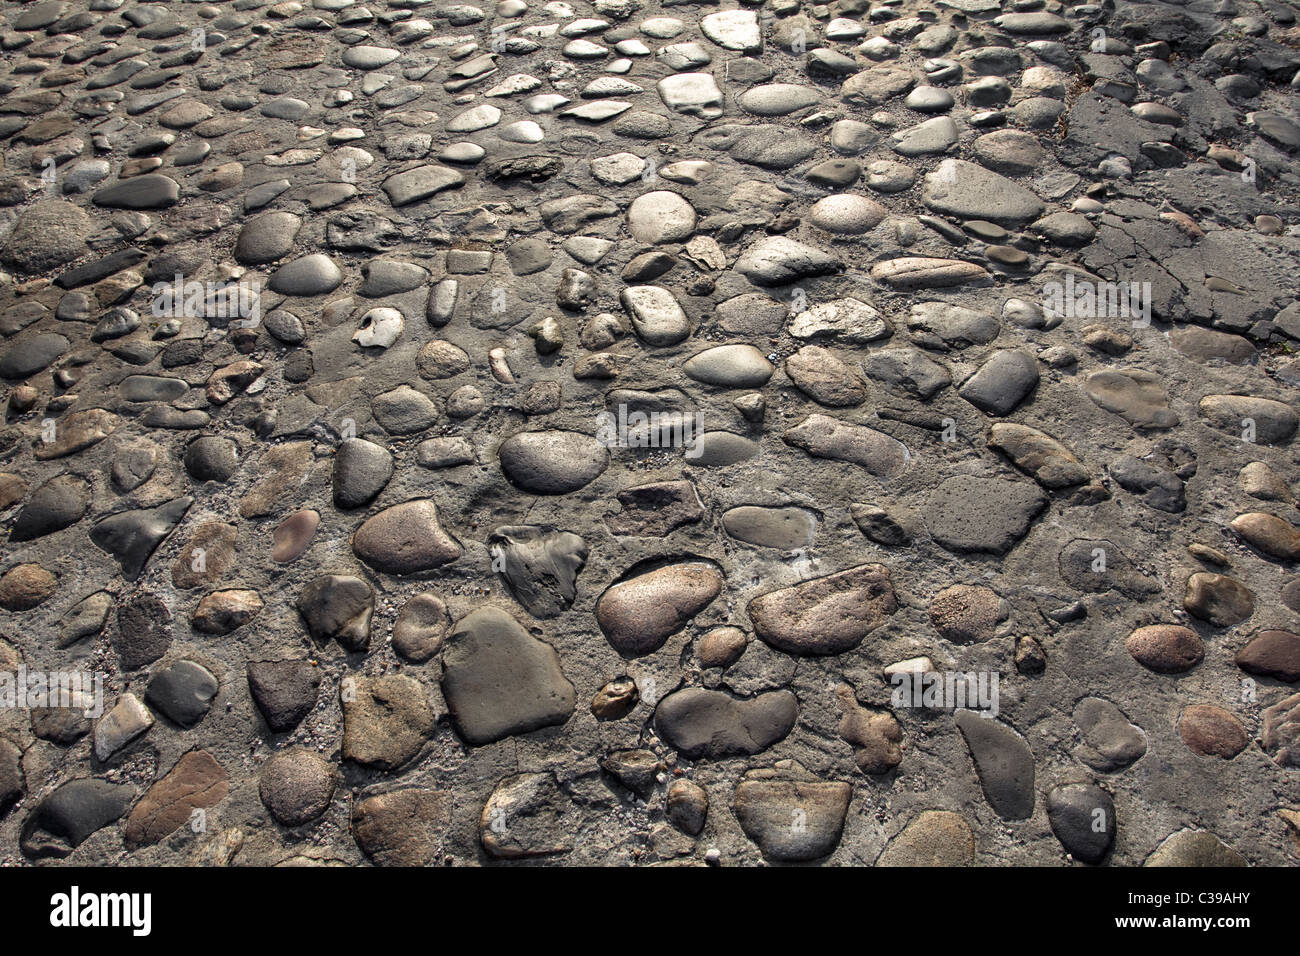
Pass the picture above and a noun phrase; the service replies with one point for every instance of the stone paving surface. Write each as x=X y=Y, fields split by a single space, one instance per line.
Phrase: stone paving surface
x=635 y=432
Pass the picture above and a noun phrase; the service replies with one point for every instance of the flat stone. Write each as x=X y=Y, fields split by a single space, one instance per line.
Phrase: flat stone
x=1159 y=487
x=770 y=527
x=526 y=816
x=182 y=692
x=934 y=838
x=1274 y=536
x=660 y=216
x=966 y=613
x=846 y=214
x=152 y=388
x=337 y=607
x=908 y=273
x=1038 y=455
x=34 y=353
x=1210 y=731
x=500 y=681
x=693 y=94
x=55 y=504
x=736 y=30
x=311 y=275
x=656 y=509
x=767 y=801
x=70 y=815
x=420 y=183
x=1110 y=741
x=421 y=627
x=131 y=537
x=26 y=586
x=1011 y=152
x=540 y=566
x=880 y=526
x=566 y=216
x=730 y=366
x=386 y=721
x=471 y=120
x=127 y=721
x=1194 y=848
x=848 y=320
x=267 y=238
x=211 y=458
x=777 y=99
x=656 y=315
x=873 y=732
x=48 y=234
x=1003 y=763
x=781 y=261
x=966 y=191
x=825 y=437
x=700 y=723
x=294 y=535
x=296 y=785
x=222 y=612
x=1136 y=396
x=1095 y=566
x=967 y=513
x=1272 y=653
x=1082 y=817
x=361 y=470
x=1002 y=382
x=1280 y=733
x=819 y=374
x=150 y=191
x=404 y=410
x=1207 y=345
x=907 y=370
x=1260 y=481
x=825 y=615
x=363 y=57
x=1221 y=600
x=936 y=135
x=197 y=782
x=285 y=692
x=404 y=827
x=1255 y=419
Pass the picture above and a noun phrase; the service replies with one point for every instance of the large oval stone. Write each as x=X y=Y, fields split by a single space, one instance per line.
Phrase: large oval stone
x=1166 y=648
x=552 y=462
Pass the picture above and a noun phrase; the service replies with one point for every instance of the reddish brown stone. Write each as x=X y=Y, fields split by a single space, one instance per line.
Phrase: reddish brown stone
x=197 y=782
x=1212 y=732
x=1272 y=654
x=1166 y=648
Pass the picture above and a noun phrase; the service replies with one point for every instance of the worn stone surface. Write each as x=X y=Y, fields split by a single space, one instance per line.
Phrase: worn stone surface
x=641 y=612
x=499 y=680
x=197 y=782
x=954 y=336
x=828 y=615
x=790 y=814
x=711 y=723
